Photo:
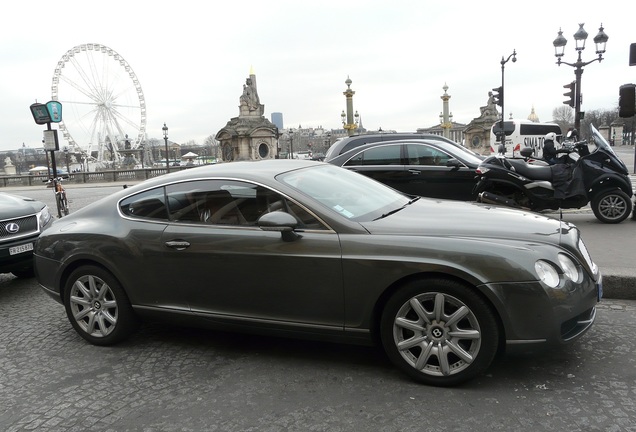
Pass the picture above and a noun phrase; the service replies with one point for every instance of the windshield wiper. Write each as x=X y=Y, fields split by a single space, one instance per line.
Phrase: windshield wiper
x=389 y=213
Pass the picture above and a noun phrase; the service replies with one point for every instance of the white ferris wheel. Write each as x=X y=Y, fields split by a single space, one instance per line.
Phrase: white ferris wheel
x=104 y=109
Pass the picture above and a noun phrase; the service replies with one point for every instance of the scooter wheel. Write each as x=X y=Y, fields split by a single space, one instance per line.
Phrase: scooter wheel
x=611 y=206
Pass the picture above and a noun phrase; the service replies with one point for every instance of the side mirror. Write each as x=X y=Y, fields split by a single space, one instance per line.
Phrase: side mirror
x=281 y=222
x=453 y=163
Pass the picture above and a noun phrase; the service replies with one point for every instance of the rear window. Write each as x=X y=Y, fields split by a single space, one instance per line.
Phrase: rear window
x=150 y=204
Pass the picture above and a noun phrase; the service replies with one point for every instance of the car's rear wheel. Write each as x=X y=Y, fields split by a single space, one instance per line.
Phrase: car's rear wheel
x=97 y=306
x=439 y=332
x=611 y=206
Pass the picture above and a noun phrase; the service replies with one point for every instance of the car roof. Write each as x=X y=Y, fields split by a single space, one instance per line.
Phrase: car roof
x=465 y=155
x=344 y=145
x=259 y=170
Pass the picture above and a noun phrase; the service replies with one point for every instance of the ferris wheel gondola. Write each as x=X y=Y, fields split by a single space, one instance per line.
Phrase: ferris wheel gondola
x=104 y=105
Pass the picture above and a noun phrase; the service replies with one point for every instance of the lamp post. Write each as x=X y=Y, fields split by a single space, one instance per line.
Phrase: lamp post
x=579 y=37
x=349 y=120
x=68 y=170
x=165 y=138
x=500 y=100
x=291 y=144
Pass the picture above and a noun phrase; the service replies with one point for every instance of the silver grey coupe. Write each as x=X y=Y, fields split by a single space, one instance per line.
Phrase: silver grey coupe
x=310 y=250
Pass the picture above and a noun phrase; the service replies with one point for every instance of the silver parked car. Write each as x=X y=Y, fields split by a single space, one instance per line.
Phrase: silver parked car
x=311 y=250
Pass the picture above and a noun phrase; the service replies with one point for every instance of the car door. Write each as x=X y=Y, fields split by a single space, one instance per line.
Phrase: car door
x=383 y=163
x=437 y=174
x=231 y=269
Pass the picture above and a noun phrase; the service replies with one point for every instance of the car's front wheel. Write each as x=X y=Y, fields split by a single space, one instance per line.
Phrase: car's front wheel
x=97 y=306
x=439 y=332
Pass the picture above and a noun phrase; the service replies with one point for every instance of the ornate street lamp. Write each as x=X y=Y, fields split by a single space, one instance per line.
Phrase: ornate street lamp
x=579 y=38
x=349 y=120
x=291 y=143
x=165 y=138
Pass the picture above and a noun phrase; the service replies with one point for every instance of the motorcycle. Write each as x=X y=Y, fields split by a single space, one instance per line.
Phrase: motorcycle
x=589 y=172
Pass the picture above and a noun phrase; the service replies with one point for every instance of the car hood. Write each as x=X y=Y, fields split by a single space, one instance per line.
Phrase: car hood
x=13 y=206
x=431 y=217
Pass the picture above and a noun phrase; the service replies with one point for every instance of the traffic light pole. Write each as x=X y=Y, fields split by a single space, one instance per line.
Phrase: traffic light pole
x=578 y=71
x=577 y=101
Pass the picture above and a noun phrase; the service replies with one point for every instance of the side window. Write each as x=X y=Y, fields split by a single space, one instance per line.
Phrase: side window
x=148 y=205
x=382 y=155
x=229 y=202
x=419 y=154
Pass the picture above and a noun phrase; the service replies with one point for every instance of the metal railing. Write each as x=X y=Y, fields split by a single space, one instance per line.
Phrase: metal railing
x=89 y=177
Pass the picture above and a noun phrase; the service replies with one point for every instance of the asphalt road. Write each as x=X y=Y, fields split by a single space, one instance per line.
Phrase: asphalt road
x=168 y=378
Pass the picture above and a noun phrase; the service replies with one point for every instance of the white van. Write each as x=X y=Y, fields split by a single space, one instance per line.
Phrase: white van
x=522 y=133
x=304 y=154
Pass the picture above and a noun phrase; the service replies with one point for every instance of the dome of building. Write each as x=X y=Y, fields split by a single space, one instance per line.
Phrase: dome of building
x=533 y=117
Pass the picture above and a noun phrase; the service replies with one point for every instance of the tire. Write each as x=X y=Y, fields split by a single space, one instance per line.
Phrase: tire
x=62 y=204
x=611 y=206
x=97 y=306
x=65 y=209
x=24 y=274
x=439 y=332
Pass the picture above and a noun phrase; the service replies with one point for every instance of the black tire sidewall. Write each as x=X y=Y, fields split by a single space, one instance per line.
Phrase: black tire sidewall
x=483 y=312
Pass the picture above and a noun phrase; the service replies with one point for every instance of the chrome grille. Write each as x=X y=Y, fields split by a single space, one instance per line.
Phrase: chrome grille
x=28 y=225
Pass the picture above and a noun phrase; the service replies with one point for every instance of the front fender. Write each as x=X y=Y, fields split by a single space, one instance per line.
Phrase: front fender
x=612 y=181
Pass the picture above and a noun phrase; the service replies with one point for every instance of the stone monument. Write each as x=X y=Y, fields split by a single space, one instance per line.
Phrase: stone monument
x=477 y=133
x=9 y=168
x=250 y=136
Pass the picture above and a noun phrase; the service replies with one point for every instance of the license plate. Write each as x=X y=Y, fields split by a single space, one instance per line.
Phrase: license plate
x=599 y=287
x=21 y=249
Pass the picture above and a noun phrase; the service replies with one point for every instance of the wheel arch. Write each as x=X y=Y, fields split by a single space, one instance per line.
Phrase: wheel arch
x=84 y=261
x=608 y=182
x=397 y=285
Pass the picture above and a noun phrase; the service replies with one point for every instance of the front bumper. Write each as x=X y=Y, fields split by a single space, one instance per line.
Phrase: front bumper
x=557 y=317
x=19 y=261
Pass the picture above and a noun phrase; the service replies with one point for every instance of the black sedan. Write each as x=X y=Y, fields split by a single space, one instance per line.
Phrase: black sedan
x=310 y=250
x=422 y=167
x=22 y=220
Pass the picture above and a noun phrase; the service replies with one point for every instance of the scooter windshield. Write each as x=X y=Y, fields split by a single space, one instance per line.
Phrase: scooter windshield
x=600 y=141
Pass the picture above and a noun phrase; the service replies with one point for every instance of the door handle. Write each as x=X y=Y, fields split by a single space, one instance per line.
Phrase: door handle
x=178 y=244
x=414 y=172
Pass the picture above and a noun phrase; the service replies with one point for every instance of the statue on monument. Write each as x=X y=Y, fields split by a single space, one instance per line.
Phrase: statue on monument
x=491 y=108
x=250 y=95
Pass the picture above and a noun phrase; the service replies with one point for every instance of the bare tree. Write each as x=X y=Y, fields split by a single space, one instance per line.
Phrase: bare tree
x=211 y=143
x=564 y=117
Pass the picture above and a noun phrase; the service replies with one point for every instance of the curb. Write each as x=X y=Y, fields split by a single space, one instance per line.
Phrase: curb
x=619 y=287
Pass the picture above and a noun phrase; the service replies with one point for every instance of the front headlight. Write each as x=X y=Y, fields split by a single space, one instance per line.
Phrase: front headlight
x=570 y=269
x=44 y=216
x=547 y=273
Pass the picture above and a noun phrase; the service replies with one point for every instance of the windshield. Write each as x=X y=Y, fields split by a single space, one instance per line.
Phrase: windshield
x=600 y=141
x=347 y=193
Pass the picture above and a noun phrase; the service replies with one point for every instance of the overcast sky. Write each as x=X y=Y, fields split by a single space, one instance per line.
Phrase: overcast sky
x=192 y=59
